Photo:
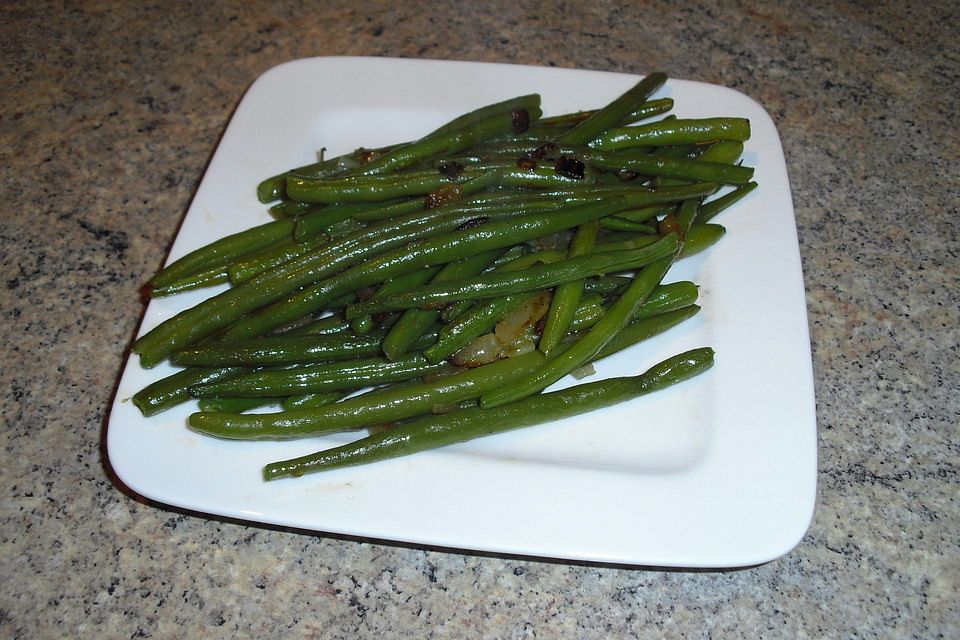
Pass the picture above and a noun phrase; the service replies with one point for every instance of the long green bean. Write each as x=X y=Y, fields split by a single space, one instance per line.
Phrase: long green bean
x=387 y=406
x=223 y=251
x=350 y=374
x=566 y=297
x=538 y=277
x=674 y=132
x=614 y=113
x=467 y=424
x=416 y=322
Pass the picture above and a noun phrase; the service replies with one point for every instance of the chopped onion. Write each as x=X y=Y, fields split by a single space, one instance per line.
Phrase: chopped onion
x=483 y=350
x=516 y=324
x=558 y=240
x=520 y=347
x=583 y=371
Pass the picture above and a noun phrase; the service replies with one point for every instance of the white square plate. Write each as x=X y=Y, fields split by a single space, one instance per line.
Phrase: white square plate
x=719 y=471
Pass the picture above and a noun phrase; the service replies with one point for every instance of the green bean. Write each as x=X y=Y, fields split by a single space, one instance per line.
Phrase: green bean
x=406 y=282
x=371 y=189
x=543 y=178
x=245 y=269
x=320 y=327
x=287 y=208
x=351 y=374
x=507 y=150
x=322 y=219
x=615 y=319
x=223 y=251
x=467 y=424
x=701 y=237
x=460 y=332
x=530 y=102
x=277 y=350
x=437 y=250
x=194 y=324
x=272 y=188
x=725 y=151
x=648 y=109
x=449 y=141
x=587 y=313
x=482 y=181
x=617 y=223
x=235 y=405
x=207 y=278
x=453 y=311
x=698 y=239
x=175 y=389
x=614 y=113
x=690 y=170
x=647 y=213
x=390 y=405
x=643 y=328
x=416 y=322
x=673 y=132
x=666 y=298
x=312 y=400
x=676 y=151
x=539 y=277
x=566 y=297
x=709 y=210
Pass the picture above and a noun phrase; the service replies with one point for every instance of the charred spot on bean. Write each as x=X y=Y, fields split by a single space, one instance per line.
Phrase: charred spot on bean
x=521 y=120
x=451 y=170
x=627 y=176
x=569 y=167
x=446 y=194
x=473 y=222
x=527 y=163
x=543 y=151
x=366 y=155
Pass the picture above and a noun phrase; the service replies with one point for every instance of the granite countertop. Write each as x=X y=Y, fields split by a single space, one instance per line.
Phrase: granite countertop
x=109 y=114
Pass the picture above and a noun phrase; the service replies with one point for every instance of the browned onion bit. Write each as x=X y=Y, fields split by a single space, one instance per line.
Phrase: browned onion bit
x=521 y=120
x=452 y=170
x=670 y=224
x=366 y=155
x=446 y=194
x=526 y=162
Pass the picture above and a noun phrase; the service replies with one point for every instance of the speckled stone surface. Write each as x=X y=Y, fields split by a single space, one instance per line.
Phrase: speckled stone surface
x=109 y=114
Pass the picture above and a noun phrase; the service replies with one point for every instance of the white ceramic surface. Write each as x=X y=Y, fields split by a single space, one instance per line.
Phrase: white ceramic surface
x=719 y=471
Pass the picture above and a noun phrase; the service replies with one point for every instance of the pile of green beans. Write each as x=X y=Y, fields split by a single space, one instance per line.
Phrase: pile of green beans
x=453 y=277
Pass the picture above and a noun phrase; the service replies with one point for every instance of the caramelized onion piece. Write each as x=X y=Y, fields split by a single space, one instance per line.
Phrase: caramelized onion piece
x=519 y=321
x=526 y=162
x=521 y=120
x=445 y=194
x=520 y=347
x=483 y=350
